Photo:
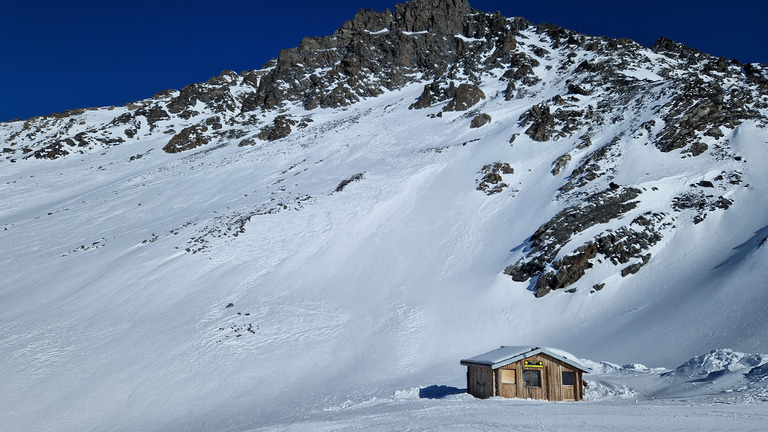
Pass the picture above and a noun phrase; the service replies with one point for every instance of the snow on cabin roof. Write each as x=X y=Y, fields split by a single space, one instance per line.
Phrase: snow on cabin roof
x=509 y=354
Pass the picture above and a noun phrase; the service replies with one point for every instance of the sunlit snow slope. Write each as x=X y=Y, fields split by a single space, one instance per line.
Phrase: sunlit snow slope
x=232 y=285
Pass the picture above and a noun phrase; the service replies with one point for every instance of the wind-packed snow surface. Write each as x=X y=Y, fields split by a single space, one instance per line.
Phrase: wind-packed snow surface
x=333 y=279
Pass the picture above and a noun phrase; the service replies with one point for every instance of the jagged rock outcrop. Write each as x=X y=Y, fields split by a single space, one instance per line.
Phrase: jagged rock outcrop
x=381 y=50
x=480 y=120
x=547 y=242
x=280 y=128
x=215 y=93
x=701 y=109
x=189 y=138
x=560 y=163
x=466 y=95
x=344 y=183
x=462 y=97
x=153 y=113
x=492 y=181
x=543 y=124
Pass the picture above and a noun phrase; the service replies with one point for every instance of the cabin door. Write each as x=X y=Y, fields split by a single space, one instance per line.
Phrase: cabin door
x=508 y=383
x=569 y=388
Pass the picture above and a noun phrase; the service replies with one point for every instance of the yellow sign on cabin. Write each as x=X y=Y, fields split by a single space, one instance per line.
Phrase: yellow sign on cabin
x=533 y=364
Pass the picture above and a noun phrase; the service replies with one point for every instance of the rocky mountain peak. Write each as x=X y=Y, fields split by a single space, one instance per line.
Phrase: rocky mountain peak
x=435 y=16
x=442 y=17
x=377 y=51
x=672 y=48
x=366 y=20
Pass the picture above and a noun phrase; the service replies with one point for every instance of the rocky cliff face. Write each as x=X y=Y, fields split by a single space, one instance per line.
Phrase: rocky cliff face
x=597 y=95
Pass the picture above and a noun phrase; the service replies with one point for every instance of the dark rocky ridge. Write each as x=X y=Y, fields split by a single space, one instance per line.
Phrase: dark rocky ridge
x=382 y=50
x=442 y=41
x=550 y=238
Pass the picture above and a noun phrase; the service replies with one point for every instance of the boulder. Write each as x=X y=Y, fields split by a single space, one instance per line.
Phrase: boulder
x=542 y=122
x=480 y=120
x=280 y=128
x=466 y=96
x=560 y=163
x=189 y=138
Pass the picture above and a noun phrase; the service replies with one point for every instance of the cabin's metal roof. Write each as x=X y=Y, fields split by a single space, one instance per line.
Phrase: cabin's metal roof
x=509 y=354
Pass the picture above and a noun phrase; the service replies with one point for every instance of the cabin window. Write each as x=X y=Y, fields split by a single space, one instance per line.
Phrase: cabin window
x=532 y=378
x=508 y=376
x=567 y=378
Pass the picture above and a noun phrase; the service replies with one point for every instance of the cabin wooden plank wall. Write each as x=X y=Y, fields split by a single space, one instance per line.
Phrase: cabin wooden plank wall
x=480 y=381
x=510 y=380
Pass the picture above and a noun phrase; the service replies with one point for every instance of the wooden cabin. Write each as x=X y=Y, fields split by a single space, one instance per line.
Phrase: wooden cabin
x=526 y=372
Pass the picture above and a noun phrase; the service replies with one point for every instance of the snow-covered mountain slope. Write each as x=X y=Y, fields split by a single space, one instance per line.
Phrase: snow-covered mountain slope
x=371 y=207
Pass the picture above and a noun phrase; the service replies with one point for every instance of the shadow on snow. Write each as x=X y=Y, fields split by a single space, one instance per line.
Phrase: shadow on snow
x=439 y=391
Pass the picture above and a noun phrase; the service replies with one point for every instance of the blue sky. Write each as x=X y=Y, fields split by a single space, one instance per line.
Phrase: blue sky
x=79 y=53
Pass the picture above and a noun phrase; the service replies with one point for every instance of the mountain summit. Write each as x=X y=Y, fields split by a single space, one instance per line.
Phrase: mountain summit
x=604 y=96
x=370 y=207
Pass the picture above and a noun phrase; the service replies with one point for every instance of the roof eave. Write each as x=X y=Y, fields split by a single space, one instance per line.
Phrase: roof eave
x=524 y=355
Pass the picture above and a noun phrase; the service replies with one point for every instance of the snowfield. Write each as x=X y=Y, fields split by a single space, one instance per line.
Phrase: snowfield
x=333 y=280
x=465 y=413
x=709 y=392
